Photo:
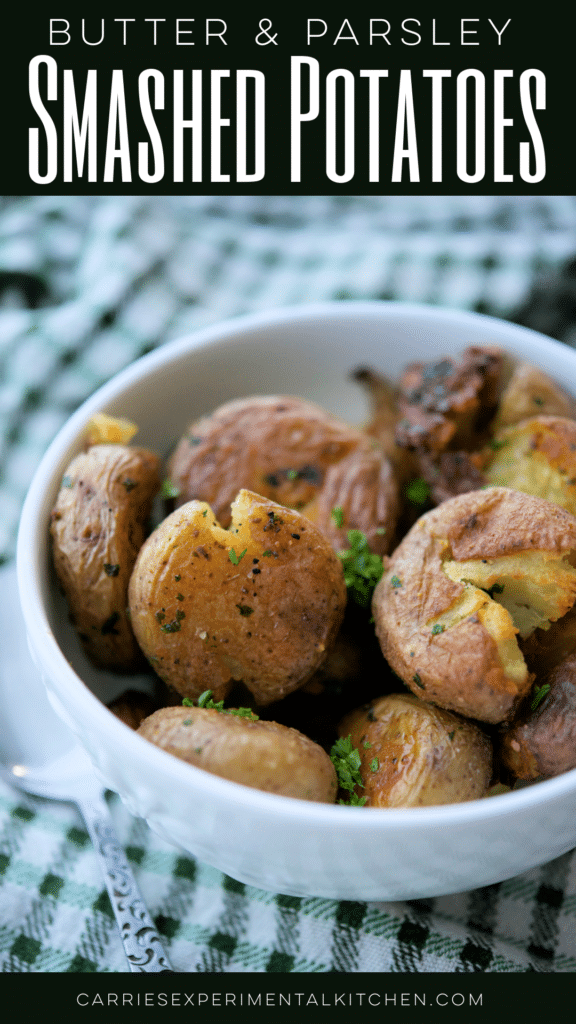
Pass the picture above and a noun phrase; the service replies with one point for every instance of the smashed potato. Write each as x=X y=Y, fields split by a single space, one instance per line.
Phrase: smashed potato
x=537 y=456
x=260 y=754
x=530 y=392
x=467 y=578
x=288 y=450
x=98 y=525
x=261 y=602
x=542 y=742
x=414 y=755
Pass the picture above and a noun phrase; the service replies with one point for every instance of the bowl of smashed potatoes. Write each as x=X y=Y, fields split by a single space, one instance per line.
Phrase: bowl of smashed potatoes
x=304 y=586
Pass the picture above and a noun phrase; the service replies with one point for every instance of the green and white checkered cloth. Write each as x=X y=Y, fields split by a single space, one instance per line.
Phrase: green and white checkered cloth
x=87 y=284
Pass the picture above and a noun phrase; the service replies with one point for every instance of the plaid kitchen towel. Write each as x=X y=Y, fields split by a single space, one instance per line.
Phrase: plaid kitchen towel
x=87 y=284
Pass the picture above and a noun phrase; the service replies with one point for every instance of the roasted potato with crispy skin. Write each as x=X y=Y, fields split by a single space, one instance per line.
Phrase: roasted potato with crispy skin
x=468 y=577
x=288 y=450
x=446 y=404
x=264 y=755
x=413 y=754
x=98 y=525
x=537 y=456
x=261 y=602
x=542 y=742
x=531 y=392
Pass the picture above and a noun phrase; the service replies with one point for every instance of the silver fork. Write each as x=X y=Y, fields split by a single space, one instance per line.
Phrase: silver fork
x=40 y=755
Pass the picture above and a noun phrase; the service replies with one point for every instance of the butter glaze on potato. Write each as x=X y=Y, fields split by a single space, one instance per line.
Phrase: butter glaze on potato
x=264 y=755
x=415 y=755
x=261 y=602
x=450 y=640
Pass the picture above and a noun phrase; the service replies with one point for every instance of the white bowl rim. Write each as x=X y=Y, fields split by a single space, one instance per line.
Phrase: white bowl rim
x=323 y=816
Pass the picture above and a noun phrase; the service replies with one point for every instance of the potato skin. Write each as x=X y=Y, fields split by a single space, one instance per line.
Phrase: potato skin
x=531 y=392
x=97 y=526
x=205 y=616
x=264 y=755
x=460 y=668
x=542 y=743
x=287 y=450
x=416 y=755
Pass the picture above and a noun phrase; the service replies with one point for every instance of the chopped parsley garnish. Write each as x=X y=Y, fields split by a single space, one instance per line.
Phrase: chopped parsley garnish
x=416 y=679
x=537 y=400
x=538 y=694
x=244 y=609
x=338 y=516
x=395 y=582
x=178 y=578
x=234 y=558
x=160 y=616
x=205 y=701
x=292 y=474
x=417 y=492
x=437 y=628
x=366 y=744
x=374 y=764
x=269 y=554
x=111 y=570
x=179 y=597
x=174 y=626
x=168 y=489
x=67 y=481
x=362 y=568
x=497 y=443
x=346 y=761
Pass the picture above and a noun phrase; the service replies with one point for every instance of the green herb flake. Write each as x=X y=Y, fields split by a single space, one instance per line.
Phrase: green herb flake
x=395 y=582
x=437 y=628
x=537 y=400
x=111 y=570
x=366 y=744
x=67 y=481
x=374 y=764
x=187 y=703
x=292 y=474
x=205 y=513
x=538 y=694
x=234 y=558
x=160 y=616
x=416 y=679
x=338 y=516
x=354 y=801
x=168 y=489
x=451 y=735
x=179 y=597
x=187 y=721
x=244 y=609
x=497 y=443
x=417 y=492
x=205 y=701
x=129 y=484
x=269 y=554
x=362 y=568
x=346 y=761
x=174 y=626
x=178 y=578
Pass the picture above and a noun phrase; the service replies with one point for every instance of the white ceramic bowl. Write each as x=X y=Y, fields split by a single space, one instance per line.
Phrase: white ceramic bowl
x=273 y=842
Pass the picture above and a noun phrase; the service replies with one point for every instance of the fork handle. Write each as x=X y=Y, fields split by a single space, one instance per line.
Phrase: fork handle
x=142 y=943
